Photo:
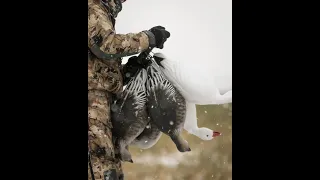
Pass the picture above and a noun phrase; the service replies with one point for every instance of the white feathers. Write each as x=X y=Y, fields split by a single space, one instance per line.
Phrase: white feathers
x=191 y=124
x=136 y=88
x=198 y=83
x=156 y=79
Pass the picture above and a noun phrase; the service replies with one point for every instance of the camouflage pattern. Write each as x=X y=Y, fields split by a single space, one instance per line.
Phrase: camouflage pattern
x=104 y=75
x=100 y=24
x=105 y=79
x=99 y=134
x=114 y=6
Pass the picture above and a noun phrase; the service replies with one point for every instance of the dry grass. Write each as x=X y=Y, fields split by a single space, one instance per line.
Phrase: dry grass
x=207 y=160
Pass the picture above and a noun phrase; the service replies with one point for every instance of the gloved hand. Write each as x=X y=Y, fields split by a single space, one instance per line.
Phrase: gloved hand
x=160 y=34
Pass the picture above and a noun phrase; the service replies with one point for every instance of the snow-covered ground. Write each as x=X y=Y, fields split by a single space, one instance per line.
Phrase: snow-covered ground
x=207 y=159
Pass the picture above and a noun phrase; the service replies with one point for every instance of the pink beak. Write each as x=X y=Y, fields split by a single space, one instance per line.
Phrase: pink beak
x=215 y=134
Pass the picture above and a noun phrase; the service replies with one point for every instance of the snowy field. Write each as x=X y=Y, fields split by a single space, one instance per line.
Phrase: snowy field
x=207 y=160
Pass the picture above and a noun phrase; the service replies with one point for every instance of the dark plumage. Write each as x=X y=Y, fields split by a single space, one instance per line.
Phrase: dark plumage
x=148 y=138
x=166 y=106
x=129 y=115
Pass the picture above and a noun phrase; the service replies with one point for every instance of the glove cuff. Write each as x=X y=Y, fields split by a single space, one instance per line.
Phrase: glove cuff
x=152 y=38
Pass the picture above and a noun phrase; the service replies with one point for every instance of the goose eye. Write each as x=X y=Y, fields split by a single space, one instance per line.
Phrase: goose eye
x=207 y=135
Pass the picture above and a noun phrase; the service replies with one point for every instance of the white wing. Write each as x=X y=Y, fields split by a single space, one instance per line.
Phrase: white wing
x=198 y=85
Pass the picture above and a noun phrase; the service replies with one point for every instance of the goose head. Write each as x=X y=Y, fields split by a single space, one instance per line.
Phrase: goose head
x=206 y=134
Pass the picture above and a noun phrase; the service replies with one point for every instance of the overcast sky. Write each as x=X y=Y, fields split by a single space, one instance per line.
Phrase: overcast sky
x=201 y=30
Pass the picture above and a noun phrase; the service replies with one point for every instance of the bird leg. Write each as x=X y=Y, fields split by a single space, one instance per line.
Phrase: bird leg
x=182 y=145
x=125 y=155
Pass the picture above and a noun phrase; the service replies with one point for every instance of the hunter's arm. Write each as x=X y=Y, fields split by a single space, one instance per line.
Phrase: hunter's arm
x=104 y=41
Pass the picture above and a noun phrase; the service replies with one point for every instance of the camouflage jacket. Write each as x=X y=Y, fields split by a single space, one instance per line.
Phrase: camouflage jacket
x=105 y=49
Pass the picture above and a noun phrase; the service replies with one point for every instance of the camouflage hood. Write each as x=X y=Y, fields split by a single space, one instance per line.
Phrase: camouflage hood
x=114 y=6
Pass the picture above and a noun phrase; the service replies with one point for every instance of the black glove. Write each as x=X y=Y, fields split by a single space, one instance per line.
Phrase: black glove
x=160 y=35
x=130 y=69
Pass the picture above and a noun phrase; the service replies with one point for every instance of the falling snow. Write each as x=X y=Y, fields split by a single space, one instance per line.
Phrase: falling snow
x=163 y=159
x=171 y=122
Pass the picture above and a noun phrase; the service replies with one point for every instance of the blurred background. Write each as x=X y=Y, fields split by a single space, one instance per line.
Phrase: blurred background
x=196 y=26
x=208 y=160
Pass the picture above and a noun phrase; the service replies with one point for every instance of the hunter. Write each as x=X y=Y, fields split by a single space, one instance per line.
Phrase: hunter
x=105 y=78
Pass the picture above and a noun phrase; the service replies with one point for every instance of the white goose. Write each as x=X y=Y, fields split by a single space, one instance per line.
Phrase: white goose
x=191 y=125
x=199 y=84
x=200 y=49
x=200 y=87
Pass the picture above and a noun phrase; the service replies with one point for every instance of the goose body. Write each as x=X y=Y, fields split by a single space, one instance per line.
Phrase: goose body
x=198 y=83
x=166 y=106
x=198 y=87
x=129 y=116
x=148 y=138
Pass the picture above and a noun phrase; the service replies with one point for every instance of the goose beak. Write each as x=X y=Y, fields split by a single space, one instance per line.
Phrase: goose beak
x=215 y=134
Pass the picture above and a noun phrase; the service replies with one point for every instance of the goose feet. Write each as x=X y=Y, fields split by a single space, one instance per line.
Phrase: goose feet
x=124 y=153
x=182 y=145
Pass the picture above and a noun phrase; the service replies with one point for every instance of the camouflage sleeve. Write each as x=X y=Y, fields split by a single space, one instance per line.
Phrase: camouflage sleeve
x=103 y=41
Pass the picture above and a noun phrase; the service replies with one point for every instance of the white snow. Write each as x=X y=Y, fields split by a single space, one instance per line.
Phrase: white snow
x=169 y=160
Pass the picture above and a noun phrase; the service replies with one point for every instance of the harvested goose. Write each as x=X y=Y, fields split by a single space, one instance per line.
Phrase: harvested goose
x=148 y=138
x=166 y=106
x=129 y=116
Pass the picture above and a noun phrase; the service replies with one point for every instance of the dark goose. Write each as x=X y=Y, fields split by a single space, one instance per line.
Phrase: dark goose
x=166 y=106
x=148 y=138
x=129 y=115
